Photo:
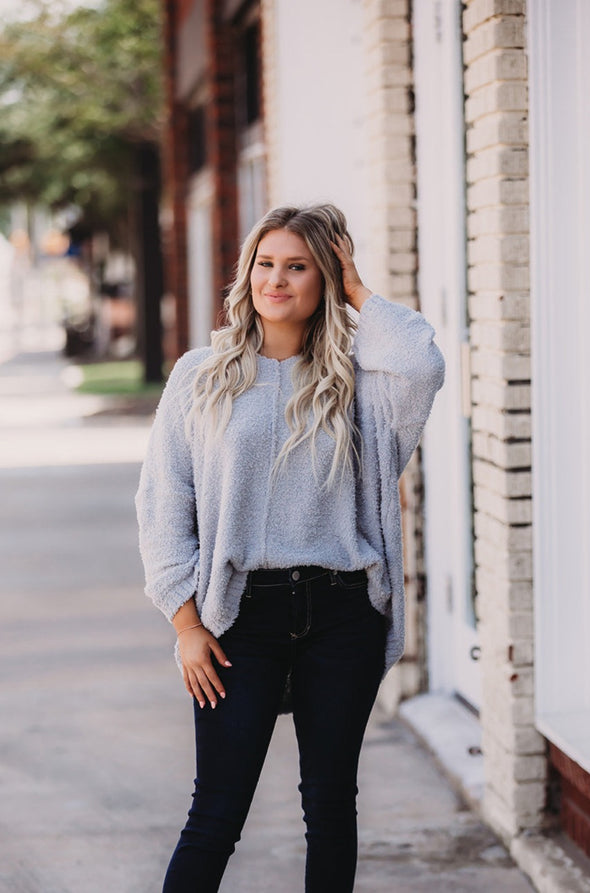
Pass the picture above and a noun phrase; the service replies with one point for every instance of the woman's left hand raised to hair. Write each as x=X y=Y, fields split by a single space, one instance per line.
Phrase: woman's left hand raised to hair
x=356 y=293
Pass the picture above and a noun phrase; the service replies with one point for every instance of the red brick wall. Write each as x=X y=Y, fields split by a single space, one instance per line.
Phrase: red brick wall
x=220 y=41
x=183 y=9
x=575 y=798
x=222 y=148
x=175 y=169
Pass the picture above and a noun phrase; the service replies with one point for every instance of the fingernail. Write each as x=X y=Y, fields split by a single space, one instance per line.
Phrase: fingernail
x=222 y=693
x=201 y=704
x=213 y=703
x=227 y=663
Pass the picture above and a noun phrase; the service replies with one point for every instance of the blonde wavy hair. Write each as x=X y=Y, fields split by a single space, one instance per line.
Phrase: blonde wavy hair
x=323 y=376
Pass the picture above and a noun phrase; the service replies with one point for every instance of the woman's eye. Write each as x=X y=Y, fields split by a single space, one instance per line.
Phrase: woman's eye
x=268 y=263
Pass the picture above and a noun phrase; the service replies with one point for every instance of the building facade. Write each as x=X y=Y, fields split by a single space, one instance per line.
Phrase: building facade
x=456 y=138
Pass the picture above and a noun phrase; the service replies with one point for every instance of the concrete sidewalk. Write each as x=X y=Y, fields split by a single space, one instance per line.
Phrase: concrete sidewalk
x=96 y=745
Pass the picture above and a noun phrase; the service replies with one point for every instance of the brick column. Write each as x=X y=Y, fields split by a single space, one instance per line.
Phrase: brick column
x=393 y=263
x=390 y=144
x=222 y=147
x=175 y=170
x=498 y=283
x=269 y=70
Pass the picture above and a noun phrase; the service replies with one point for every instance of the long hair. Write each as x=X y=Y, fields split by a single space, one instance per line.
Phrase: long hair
x=323 y=377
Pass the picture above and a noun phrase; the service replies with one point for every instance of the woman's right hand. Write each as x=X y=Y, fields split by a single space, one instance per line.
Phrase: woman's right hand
x=197 y=647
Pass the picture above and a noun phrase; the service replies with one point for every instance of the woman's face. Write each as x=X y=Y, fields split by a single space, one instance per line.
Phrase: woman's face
x=286 y=281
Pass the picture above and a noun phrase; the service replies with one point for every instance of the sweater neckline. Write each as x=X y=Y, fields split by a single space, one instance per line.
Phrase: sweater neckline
x=271 y=362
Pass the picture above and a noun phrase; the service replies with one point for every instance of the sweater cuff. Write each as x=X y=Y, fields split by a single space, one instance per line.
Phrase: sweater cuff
x=171 y=602
x=389 y=335
x=372 y=301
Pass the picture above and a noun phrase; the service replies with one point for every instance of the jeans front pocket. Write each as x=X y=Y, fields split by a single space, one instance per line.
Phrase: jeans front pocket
x=352 y=580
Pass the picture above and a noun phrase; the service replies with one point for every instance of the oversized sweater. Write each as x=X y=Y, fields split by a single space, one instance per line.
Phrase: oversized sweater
x=212 y=509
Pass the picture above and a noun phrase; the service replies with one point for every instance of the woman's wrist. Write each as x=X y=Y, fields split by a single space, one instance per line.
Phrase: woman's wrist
x=186 y=617
x=358 y=298
x=186 y=628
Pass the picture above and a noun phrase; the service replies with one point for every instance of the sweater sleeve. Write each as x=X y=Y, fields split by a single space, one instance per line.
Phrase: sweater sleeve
x=394 y=345
x=165 y=500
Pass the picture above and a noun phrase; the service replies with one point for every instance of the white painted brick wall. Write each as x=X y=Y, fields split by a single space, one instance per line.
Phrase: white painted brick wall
x=498 y=282
x=494 y=97
x=501 y=395
x=515 y=367
x=509 y=128
x=529 y=767
x=504 y=220
x=506 y=426
x=497 y=65
x=492 y=34
x=390 y=129
x=491 y=248
x=499 y=452
x=516 y=565
x=480 y=11
x=509 y=511
x=392 y=269
x=507 y=336
x=509 y=160
x=497 y=276
x=497 y=191
x=506 y=537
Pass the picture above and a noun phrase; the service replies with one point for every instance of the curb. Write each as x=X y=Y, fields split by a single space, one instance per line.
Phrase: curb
x=452 y=734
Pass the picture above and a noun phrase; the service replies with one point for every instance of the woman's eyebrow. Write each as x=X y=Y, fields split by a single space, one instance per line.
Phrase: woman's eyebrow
x=270 y=257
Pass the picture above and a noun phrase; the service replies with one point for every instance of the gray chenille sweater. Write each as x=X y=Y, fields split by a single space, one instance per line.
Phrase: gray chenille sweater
x=212 y=510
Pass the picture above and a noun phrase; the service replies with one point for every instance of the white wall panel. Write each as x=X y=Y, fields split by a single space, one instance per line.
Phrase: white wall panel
x=441 y=282
x=560 y=264
x=200 y=254
x=321 y=106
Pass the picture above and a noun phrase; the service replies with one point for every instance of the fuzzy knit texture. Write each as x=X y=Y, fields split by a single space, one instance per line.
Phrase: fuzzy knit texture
x=210 y=510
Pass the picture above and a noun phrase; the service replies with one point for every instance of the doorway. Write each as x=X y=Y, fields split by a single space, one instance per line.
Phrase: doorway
x=453 y=649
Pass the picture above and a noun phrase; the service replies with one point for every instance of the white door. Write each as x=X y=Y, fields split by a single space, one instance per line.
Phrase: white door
x=452 y=635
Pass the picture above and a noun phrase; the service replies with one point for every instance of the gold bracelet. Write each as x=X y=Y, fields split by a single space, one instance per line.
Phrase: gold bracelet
x=195 y=626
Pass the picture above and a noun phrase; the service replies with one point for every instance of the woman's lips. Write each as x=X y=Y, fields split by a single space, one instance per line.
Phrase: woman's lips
x=277 y=298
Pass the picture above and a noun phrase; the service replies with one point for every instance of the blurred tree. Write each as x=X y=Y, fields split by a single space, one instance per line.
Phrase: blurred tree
x=81 y=106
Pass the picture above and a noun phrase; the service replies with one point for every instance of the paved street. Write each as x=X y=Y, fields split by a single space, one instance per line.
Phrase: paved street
x=96 y=750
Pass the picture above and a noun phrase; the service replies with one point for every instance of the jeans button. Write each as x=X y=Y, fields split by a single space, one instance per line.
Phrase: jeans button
x=295 y=575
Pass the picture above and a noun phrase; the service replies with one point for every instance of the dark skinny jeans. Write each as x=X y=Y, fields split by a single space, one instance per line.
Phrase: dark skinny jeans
x=320 y=628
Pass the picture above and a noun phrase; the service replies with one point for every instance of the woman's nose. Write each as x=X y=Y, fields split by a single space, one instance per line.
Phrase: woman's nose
x=277 y=277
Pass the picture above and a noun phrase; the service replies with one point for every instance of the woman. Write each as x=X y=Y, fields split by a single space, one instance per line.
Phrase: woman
x=270 y=530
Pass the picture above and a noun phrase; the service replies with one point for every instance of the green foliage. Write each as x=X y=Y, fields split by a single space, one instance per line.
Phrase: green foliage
x=119 y=377
x=79 y=89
